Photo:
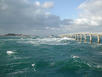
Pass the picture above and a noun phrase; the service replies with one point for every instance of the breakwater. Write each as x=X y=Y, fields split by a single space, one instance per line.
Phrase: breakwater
x=91 y=37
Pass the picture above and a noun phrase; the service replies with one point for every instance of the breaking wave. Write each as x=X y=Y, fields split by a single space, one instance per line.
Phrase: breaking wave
x=48 y=41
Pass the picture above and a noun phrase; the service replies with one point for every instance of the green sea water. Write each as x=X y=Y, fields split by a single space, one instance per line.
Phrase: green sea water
x=49 y=57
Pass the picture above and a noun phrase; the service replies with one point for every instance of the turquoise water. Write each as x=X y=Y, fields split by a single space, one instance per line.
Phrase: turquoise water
x=49 y=57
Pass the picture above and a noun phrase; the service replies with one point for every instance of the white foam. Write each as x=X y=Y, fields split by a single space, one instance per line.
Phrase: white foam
x=75 y=56
x=66 y=38
x=10 y=52
x=33 y=65
x=49 y=41
x=98 y=66
x=89 y=65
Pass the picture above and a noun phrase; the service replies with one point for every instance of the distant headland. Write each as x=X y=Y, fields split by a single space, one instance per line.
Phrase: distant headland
x=13 y=34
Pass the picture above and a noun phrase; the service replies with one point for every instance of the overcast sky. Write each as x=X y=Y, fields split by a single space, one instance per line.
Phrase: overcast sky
x=46 y=17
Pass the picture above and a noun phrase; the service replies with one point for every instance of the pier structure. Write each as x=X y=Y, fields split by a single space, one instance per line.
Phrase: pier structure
x=84 y=36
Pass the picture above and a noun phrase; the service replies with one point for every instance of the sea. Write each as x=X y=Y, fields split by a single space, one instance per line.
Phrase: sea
x=49 y=57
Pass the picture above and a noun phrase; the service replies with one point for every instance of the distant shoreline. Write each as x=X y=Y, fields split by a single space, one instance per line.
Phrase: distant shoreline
x=13 y=34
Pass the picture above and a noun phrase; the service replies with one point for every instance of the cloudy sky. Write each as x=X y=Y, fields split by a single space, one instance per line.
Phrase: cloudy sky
x=44 y=17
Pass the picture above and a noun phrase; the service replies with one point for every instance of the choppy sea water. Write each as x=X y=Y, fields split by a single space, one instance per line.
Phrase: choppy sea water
x=49 y=57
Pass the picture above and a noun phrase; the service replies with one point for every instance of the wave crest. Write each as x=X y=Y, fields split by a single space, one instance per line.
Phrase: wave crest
x=48 y=41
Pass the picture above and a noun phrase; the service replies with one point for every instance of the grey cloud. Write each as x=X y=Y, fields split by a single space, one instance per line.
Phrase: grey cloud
x=67 y=22
x=23 y=16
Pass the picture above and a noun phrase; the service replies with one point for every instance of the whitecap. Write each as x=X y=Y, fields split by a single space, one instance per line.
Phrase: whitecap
x=75 y=56
x=89 y=65
x=98 y=66
x=10 y=52
x=49 y=41
x=33 y=65
x=67 y=38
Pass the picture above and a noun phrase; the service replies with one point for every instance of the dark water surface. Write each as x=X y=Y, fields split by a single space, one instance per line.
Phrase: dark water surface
x=49 y=57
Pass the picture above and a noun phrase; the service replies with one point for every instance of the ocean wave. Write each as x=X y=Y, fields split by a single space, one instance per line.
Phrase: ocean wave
x=49 y=41
x=79 y=66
